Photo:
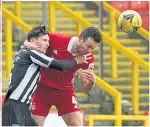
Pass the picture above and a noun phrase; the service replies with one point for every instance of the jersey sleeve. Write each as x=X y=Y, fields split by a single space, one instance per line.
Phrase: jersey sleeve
x=40 y=59
x=63 y=64
x=48 y=62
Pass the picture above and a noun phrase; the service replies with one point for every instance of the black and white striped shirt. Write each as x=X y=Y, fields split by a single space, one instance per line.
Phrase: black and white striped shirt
x=25 y=74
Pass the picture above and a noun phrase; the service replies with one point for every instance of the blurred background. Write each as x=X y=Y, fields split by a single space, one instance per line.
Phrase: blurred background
x=121 y=61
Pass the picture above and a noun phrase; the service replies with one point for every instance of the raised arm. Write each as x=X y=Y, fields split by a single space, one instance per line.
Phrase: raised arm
x=48 y=62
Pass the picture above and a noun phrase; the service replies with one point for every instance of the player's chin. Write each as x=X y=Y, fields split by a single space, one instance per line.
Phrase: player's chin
x=44 y=51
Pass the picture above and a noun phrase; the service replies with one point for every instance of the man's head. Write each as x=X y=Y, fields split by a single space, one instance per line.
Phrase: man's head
x=88 y=40
x=39 y=37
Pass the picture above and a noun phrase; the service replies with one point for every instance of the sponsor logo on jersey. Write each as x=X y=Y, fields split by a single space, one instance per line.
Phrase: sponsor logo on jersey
x=55 y=52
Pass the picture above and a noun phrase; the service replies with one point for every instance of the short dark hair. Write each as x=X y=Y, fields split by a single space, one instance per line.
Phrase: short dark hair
x=92 y=32
x=37 y=32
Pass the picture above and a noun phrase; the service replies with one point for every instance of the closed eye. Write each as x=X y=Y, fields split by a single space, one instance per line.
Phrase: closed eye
x=45 y=40
x=89 y=46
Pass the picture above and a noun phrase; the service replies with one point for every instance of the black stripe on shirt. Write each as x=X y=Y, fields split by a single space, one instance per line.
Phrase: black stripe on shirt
x=28 y=85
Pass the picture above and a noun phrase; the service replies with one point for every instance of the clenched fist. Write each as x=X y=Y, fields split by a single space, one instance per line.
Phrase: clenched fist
x=88 y=80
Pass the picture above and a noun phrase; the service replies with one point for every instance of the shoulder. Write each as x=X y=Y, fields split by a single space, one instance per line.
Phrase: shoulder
x=59 y=39
x=22 y=55
x=24 y=52
x=58 y=35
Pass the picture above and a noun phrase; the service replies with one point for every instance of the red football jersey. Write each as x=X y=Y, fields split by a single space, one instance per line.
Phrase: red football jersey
x=60 y=49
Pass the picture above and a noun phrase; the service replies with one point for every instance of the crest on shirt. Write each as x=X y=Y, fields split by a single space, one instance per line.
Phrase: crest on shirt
x=55 y=51
x=91 y=66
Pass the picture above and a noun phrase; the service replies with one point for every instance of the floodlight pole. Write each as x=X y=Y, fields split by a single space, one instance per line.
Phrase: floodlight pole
x=100 y=15
x=44 y=14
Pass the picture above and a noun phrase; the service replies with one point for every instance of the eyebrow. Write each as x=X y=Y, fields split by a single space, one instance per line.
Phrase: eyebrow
x=46 y=39
x=91 y=46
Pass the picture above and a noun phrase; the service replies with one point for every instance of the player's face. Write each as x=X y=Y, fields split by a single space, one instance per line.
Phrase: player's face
x=87 y=46
x=43 y=42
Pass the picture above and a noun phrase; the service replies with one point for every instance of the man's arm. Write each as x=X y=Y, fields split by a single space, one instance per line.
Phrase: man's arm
x=68 y=64
x=30 y=45
x=49 y=62
x=63 y=64
x=88 y=80
x=87 y=76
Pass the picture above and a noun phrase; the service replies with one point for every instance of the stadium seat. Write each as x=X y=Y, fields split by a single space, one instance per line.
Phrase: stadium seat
x=117 y=5
x=145 y=22
x=139 y=6
x=121 y=6
x=126 y=5
x=135 y=5
x=3 y=98
x=146 y=112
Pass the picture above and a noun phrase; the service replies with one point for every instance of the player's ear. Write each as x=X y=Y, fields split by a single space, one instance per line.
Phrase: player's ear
x=80 y=39
x=32 y=40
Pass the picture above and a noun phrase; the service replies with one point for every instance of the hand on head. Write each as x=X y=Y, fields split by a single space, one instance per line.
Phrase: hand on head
x=33 y=46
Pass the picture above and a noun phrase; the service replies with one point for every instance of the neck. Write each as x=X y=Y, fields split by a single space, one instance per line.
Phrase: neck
x=74 y=47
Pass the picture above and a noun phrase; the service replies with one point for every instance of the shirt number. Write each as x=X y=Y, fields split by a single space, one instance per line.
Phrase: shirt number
x=74 y=101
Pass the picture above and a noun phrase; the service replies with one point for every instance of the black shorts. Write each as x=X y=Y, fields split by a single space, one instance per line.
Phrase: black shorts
x=16 y=113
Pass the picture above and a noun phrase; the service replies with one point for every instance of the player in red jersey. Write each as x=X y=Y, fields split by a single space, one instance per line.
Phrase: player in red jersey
x=56 y=87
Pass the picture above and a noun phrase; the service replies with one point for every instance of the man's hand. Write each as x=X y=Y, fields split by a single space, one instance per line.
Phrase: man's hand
x=88 y=80
x=33 y=46
x=83 y=59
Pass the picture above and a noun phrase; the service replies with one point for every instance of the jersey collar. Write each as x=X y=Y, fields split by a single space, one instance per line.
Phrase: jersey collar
x=71 y=44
